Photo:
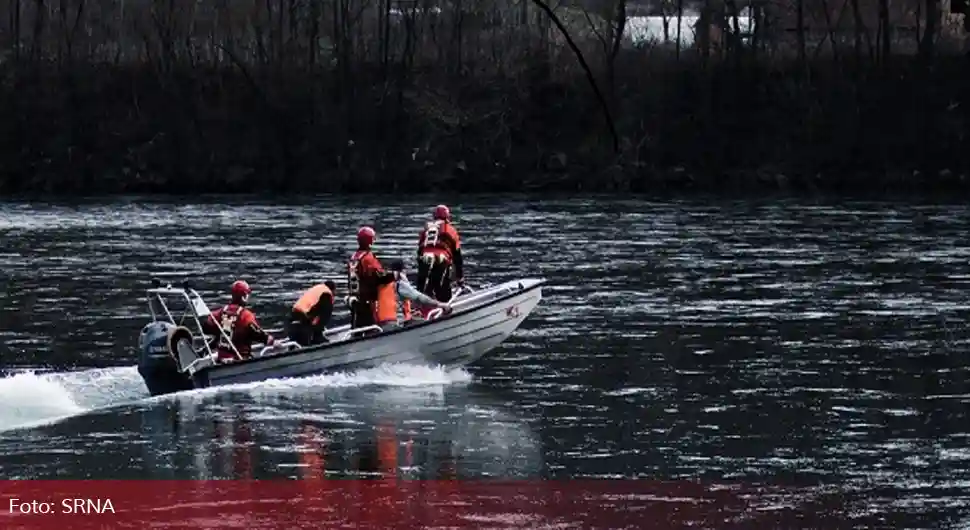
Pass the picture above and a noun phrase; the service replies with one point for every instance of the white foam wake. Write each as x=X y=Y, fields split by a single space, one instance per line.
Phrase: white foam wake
x=30 y=399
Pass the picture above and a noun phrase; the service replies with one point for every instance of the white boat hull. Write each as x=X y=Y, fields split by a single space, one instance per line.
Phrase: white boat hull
x=488 y=318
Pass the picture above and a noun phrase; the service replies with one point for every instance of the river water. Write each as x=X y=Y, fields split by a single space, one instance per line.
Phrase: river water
x=819 y=347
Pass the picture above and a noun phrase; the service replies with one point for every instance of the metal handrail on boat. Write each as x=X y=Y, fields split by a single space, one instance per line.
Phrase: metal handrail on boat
x=337 y=330
x=478 y=295
x=361 y=331
x=278 y=346
x=340 y=330
x=205 y=361
x=195 y=309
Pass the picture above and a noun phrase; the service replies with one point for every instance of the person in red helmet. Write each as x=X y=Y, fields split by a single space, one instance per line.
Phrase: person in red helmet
x=238 y=323
x=364 y=276
x=439 y=254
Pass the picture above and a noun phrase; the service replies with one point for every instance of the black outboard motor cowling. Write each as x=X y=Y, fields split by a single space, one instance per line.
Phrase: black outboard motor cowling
x=156 y=364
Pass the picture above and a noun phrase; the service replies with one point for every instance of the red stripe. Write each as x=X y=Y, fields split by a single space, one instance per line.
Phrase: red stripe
x=406 y=504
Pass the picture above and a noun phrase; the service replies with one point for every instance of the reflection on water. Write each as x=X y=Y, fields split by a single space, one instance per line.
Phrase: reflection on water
x=412 y=433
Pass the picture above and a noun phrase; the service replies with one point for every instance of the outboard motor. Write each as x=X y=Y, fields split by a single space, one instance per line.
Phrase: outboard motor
x=157 y=343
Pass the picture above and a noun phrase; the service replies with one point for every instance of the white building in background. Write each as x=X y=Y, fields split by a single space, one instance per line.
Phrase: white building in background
x=642 y=30
x=650 y=30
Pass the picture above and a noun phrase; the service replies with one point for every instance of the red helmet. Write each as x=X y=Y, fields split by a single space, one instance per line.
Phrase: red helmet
x=442 y=213
x=366 y=236
x=240 y=290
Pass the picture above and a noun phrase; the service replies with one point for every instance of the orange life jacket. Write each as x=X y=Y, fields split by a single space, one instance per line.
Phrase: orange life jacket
x=311 y=297
x=385 y=310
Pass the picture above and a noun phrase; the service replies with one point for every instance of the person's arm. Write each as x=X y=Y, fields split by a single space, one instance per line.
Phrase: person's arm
x=381 y=276
x=456 y=254
x=256 y=332
x=421 y=242
x=459 y=264
x=406 y=290
x=211 y=323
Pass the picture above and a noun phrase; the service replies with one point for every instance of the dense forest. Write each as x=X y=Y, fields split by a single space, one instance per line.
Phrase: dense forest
x=474 y=95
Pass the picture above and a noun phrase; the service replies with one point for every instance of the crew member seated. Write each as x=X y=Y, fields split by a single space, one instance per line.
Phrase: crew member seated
x=311 y=314
x=235 y=326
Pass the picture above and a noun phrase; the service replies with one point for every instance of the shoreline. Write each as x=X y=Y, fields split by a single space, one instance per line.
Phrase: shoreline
x=686 y=123
x=755 y=188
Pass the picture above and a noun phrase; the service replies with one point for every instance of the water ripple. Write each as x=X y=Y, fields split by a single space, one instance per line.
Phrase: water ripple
x=813 y=343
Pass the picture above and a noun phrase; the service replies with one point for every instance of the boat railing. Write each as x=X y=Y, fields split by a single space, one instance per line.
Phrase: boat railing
x=330 y=332
x=344 y=332
x=338 y=334
x=200 y=363
x=481 y=294
x=279 y=346
x=360 y=331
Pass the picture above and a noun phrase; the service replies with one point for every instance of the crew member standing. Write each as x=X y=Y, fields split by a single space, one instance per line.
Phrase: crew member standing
x=364 y=275
x=439 y=249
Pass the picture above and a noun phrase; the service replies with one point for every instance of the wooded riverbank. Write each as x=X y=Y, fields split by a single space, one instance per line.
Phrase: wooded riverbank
x=289 y=96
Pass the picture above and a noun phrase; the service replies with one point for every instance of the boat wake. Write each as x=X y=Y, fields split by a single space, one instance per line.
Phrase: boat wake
x=34 y=398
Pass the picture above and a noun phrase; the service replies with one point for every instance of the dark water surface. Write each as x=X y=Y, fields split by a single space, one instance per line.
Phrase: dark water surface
x=820 y=347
